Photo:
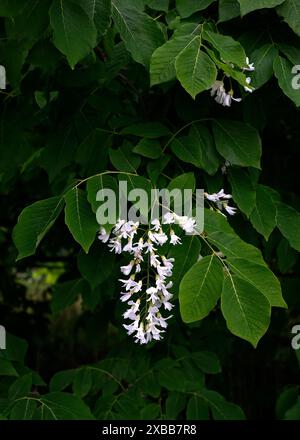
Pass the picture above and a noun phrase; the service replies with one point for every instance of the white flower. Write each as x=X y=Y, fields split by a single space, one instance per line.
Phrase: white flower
x=168 y=218
x=131 y=312
x=128 y=247
x=127 y=269
x=119 y=224
x=159 y=238
x=229 y=209
x=103 y=236
x=221 y=200
x=131 y=284
x=115 y=245
x=137 y=267
x=186 y=223
x=125 y=296
x=216 y=197
x=164 y=272
x=167 y=305
x=249 y=67
x=154 y=261
x=249 y=89
x=174 y=238
x=156 y=225
x=153 y=331
x=152 y=292
x=131 y=328
x=168 y=262
x=140 y=335
x=149 y=246
x=222 y=97
x=128 y=229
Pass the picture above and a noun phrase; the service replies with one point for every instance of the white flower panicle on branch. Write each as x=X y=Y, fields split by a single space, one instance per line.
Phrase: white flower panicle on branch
x=146 y=291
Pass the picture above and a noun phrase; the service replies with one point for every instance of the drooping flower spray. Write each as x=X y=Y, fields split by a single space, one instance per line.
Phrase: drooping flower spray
x=146 y=280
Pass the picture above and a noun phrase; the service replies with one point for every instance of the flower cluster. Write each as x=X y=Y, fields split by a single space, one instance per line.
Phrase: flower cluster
x=221 y=96
x=221 y=201
x=146 y=291
x=225 y=98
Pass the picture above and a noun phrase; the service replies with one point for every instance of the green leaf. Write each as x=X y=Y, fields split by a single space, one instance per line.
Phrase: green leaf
x=99 y=12
x=220 y=408
x=7 y=368
x=33 y=224
x=64 y=406
x=79 y=218
x=185 y=256
x=170 y=376
x=197 y=409
x=98 y=183
x=123 y=159
x=148 y=383
x=286 y=79
x=286 y=256
x=243 y=191
x=293 y=413
x=65 y=294
x=150 y=412
x=220 y=234
x=148 y=130
x=194 y=69
x=250 y=5
x=200 y=289
x=162 y=66
x=82 y=382
x=288 y=222
x=62 y=380
x=189 y=7
x=16 y=349
x=158 y=5
x=74 y=33
x=263 y=216
x=175 y=403
x=31 y=23
x=246 y=310
x=156 y=167
x=198 y=149
x=21 y=387
x=263 y=58
x=140 y=33
x=10 y=8
x=228 y=9
x=291 y=52
x=23 y=409
x=92 y=153
x=290 y=11
x=260 y=277
x=237 y=142
x=96 y=266
x=286 y=400
x=207 y=362
x=148 y=148
x=59 y=152
x=229 y=49
x=183 y=181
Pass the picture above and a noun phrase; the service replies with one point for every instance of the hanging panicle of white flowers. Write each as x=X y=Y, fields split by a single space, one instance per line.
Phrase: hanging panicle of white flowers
x=146 y=290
